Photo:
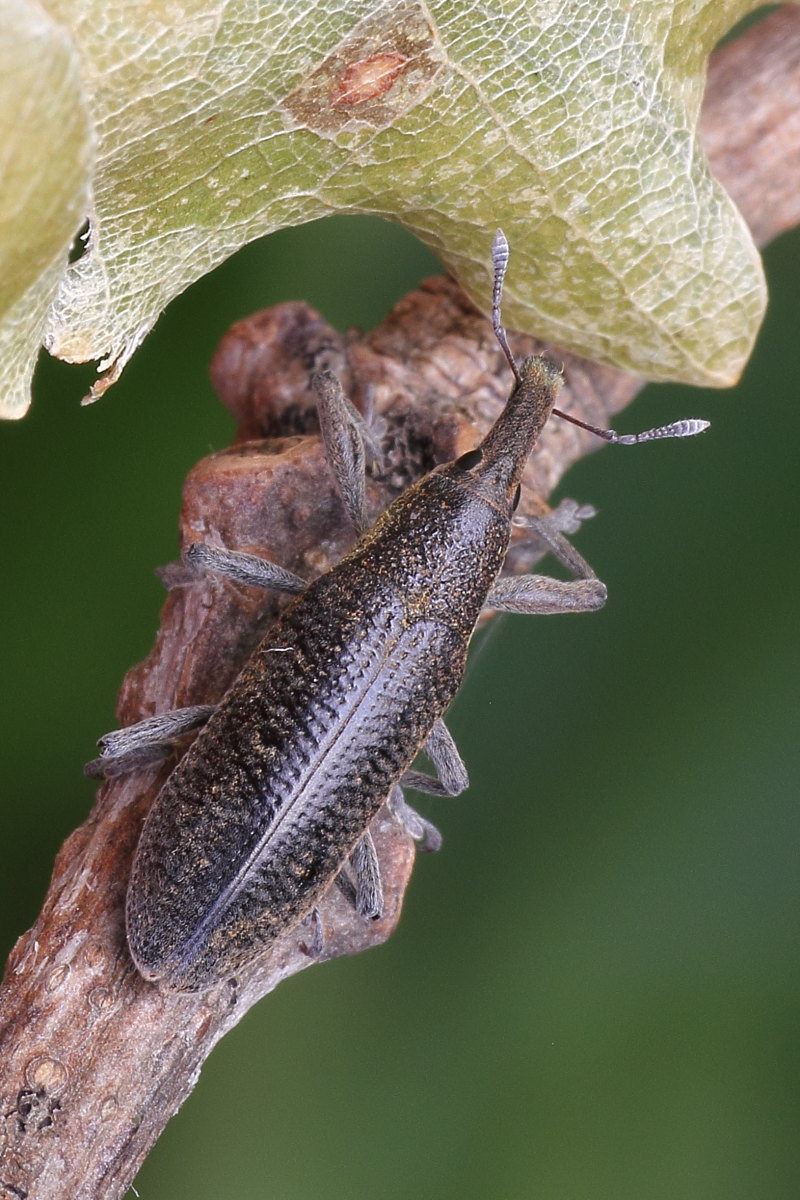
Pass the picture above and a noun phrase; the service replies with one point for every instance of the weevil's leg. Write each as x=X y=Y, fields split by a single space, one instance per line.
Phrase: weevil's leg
x=243 y=568
x=371 y=427
x=566 y=517
x=423 y=832
x=369 y=890
x=313 y=948
x=538 y=594
x=366 y=896
x=451 y=775
x=146 y=742
x=541 y=595
x=560 y=547
x=443 y=753
x=341 y=427
x=421 y=781
x=346 y=886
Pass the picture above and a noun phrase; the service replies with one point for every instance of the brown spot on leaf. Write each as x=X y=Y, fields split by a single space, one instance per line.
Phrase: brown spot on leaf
x=383 y=67
x=369 y=78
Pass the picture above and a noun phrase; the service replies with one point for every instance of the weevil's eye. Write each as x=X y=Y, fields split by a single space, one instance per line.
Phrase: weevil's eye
x=469 y=460
x=517 y=495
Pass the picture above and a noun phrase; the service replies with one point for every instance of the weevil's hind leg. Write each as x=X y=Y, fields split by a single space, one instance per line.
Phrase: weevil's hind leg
x=369 y=889
x=425 y=834
x=242 y=568
x=451 y=775
x=313 y=947
x=344 y=432
x=145 y=743
x=366 y=895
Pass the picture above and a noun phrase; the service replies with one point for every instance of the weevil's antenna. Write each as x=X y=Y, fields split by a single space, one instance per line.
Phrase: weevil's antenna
x=499 y=263
x=676 y=429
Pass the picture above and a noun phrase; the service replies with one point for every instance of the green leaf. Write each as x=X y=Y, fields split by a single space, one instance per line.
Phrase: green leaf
x=570 y=123
x=46 y=154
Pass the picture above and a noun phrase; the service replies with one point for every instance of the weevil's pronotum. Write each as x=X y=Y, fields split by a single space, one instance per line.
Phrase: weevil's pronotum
x=277 y=792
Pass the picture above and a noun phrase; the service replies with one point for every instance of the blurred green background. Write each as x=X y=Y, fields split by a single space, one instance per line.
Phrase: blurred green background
x=593 y=993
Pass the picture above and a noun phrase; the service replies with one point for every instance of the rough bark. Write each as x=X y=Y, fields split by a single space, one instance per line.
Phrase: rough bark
x=95 y=1060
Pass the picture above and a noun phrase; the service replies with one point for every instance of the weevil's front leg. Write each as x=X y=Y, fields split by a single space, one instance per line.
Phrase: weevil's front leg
x=539 y=594
x=243 y=568
x=451 y=775
x=145 y=743
x=566 y=517
x=542 y=596
x=549 y=529
x=343 y=432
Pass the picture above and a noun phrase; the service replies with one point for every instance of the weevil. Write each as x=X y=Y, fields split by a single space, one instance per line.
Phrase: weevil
x=320 y=729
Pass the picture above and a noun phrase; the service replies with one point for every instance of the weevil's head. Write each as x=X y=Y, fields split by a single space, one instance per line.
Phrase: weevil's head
x=494 y=468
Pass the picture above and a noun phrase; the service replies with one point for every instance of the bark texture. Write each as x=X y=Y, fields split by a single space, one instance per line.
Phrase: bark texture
x=95 y=1060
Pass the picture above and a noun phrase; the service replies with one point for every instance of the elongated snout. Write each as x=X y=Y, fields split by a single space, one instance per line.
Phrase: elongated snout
x=495 y=466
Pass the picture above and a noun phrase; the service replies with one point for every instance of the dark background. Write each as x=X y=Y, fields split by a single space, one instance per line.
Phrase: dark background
x=593 y=992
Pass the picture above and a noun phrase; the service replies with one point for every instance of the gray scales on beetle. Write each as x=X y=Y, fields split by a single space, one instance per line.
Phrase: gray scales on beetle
x=276 y=795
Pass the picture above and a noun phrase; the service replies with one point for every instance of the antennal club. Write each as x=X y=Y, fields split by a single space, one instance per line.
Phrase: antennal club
x=676 y=429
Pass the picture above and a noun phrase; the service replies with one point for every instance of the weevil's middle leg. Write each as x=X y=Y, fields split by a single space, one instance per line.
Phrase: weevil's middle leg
x=149 y=741
x=345 y=434
x=451 y=775
x=450 y=780
x=367 y=894
x=425 y=834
